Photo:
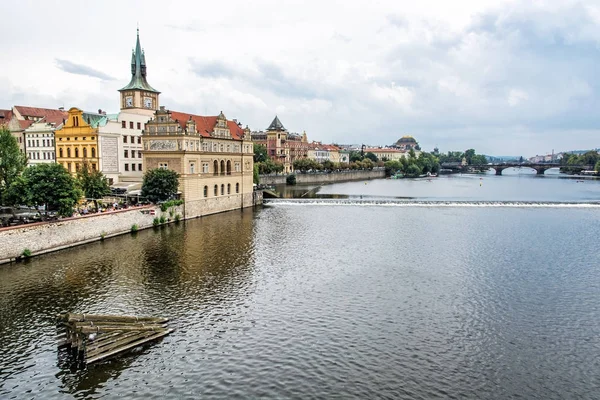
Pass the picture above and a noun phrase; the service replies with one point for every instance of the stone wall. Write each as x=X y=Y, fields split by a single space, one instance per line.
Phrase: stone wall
x=324 y=177
x=44 y=237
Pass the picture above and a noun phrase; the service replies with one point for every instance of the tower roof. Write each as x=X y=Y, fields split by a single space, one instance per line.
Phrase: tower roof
x=138 y=70
x=276 y=125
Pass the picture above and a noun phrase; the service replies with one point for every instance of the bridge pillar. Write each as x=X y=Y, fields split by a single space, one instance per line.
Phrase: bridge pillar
x=540 y=170
x=499 y=171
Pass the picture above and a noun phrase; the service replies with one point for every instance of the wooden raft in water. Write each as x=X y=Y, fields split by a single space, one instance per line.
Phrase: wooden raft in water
x=96 y=337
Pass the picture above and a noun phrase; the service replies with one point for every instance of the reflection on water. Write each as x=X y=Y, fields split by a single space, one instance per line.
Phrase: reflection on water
x=316 y=300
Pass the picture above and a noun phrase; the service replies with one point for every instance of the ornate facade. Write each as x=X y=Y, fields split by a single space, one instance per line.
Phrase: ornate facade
x=77 y=140
x=214 y=157
x=281 y=145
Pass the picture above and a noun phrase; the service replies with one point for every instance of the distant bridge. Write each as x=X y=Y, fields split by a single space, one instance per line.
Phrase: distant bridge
x=540 y=168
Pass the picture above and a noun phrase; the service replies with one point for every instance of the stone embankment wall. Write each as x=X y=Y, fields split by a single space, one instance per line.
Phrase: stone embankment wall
x=44 y=237
x=331 y=177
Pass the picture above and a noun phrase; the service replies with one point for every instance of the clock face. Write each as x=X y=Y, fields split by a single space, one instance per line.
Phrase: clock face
x=147 y=102
x=128 y=101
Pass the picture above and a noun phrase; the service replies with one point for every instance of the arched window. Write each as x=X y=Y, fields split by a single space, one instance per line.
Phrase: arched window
x=222 y=189
x=84 y=152
x=222 y=167
x=93 y=152
x=228 y=167
x=69 y=154
x=76 y=152
x=60 y=154
x=229 y=188
x=216 y=190
x=205 y=191
x=216 y=168
x=237 y=187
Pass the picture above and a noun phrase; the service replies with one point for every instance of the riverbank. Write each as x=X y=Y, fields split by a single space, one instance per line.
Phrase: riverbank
x=325 y=177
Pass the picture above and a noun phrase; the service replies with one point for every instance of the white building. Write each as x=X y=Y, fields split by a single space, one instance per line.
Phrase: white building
x=39 y=141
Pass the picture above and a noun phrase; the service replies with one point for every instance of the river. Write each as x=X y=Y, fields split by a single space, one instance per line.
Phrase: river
x=473 y=286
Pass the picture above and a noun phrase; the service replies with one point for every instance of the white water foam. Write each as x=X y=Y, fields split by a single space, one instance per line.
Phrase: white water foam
x=426 y=203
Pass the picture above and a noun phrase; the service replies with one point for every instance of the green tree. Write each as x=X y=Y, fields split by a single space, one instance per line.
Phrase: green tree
x=93 y=183
x=12 y=161
x=160 y=184
x=260 y=153
x=48 y=185
x=255 y=175
x=371 y=156
x=413 y=170
x=597 y=167
x=328 y=165
x=355 y=156
x=469 y=155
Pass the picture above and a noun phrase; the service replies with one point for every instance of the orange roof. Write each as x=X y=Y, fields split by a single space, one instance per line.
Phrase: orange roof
x=205 y=125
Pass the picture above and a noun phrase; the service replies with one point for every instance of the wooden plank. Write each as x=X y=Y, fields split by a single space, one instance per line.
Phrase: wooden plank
x=127 y=347
x=115 y=318
x=115 y=336
x=100 y=329
x=119 y=343
x=113 y=323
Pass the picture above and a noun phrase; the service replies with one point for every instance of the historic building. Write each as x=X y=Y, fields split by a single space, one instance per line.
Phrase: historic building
x=281 y=145
x=406 y=143
x=77 y=140
x=121 y=138
x=213 y=155
x=39 y=139
x=388 y=153
x=20 y=118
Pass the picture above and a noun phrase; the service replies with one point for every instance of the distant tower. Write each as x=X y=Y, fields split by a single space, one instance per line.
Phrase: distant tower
x=138 y=93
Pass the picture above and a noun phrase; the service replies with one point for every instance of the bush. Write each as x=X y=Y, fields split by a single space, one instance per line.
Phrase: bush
x=291 y=179
x=134 y=228
x=162 y=219
x=155 y=221
x=164 y=206
x=102 y=235
x=177 y=218
x=26 y=253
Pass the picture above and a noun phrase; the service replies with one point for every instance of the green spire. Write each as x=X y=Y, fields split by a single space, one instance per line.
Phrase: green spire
x=138 y=70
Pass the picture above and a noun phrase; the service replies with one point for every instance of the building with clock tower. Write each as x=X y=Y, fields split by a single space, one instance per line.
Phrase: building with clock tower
x=120 y=140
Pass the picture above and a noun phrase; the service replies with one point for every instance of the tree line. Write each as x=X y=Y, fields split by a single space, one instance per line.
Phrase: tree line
x=588 y=158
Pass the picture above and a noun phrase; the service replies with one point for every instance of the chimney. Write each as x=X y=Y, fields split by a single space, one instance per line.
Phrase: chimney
x=99 y=111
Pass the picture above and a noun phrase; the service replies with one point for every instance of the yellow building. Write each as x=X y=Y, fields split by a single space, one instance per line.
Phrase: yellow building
x=77 y=140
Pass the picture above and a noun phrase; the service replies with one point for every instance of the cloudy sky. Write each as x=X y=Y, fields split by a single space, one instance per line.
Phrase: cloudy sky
x=503 y=77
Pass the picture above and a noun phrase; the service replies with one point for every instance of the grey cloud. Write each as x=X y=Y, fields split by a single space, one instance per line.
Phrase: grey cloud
x=80 y=69
x=212 y=69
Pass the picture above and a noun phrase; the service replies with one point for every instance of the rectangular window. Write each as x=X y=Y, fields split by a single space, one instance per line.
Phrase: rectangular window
x=93 y=167
x=130 y=124
x=139 y=140
x=124 y=139
x=192 y=168
x=205 y=168
x=123 y=124
x=133 y=139
x=139 y=125
x=139 y=154
x=133 y=167
x=126 y=153
x=163 y=165
x=126 y=167
x=139 y=167
x=37 y=143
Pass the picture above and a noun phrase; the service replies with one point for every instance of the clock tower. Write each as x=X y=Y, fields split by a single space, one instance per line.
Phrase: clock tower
x=138 y=94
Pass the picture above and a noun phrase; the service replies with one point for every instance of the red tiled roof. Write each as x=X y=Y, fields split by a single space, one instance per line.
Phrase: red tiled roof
x=205 y=125
x=25 y=124
x=5 y=116
x=38 y=112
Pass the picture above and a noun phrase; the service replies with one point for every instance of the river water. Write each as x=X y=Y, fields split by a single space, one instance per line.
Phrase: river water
x=470 y=286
